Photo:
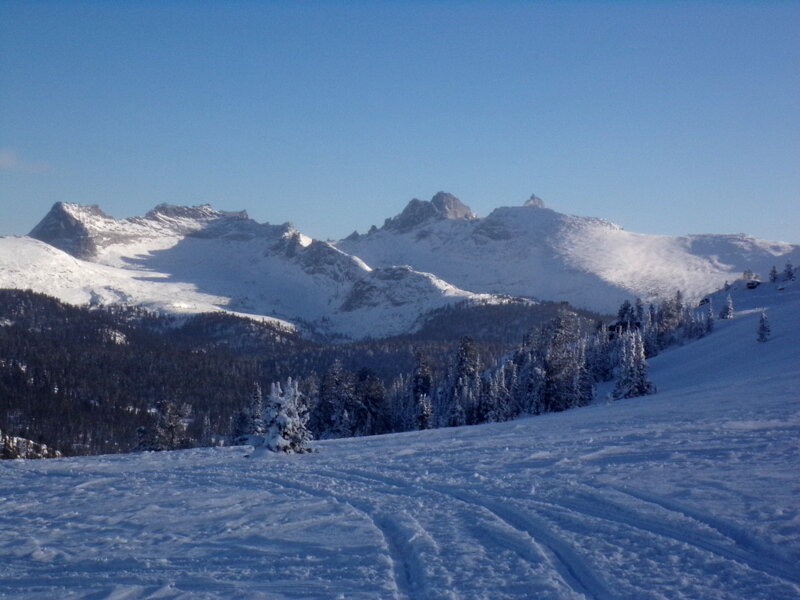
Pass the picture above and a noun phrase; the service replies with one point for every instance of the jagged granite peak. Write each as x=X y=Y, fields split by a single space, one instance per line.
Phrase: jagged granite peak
x=451 y=207
x=200 y=212
x=441 y=206
x=85 y=231
x=534 y=202
x=64 y=227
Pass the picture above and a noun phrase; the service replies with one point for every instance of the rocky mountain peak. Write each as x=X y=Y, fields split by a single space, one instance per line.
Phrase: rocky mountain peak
x=451 y=207
x=534 y=202
x=417 y=212
x=64 y=227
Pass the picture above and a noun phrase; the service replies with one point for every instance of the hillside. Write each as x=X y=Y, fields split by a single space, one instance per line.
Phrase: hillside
x=691 y=493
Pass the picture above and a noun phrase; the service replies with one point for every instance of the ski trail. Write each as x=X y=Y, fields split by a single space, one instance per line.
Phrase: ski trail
x=739 y=536
x=572 y=569
x=601 y=508
x=406 y=565
x=575 y=573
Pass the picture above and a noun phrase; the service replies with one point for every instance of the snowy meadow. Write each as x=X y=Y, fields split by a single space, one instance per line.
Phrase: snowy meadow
x=690 y=493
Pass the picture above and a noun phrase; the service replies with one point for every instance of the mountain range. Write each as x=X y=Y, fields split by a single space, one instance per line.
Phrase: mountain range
x=431 y=255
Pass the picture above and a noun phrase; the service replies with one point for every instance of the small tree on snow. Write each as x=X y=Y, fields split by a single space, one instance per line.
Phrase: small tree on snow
x=727 y=310
x=773 y=274
x=633 y=381
x=285 y=418
x=763 y=328
x=788 y=272
x=169 y=432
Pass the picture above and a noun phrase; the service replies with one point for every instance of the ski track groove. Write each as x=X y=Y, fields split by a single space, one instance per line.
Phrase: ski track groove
x=735 y=534
x=573 y=570
x=408 y=578
x=597 y=507
x=749 y=550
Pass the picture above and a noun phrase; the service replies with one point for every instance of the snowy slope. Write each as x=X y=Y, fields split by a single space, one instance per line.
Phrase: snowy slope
x=536 y=252
x=691 y=493
x=195 y=259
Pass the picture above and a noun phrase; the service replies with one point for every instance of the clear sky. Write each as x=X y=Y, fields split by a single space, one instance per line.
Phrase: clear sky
x=673 y=117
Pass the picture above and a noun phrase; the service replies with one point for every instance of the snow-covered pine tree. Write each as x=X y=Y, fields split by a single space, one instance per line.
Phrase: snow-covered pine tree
x=170 y=428
x=727 y=310
x=633 y=381
x=285 y=420
x=145 y=441
x=460 y=392
x=773 y=274
x=421 y=387
x=528 y=389
x=599 y=354
x=563 y=362
x=709 y=319
x=424 y=412
x=625 y=314
x=763 y=328
x=370 y=414
x=584 y=381
x=496 y=399
x=333 y=418
x=788 y=272
x=638 y=311
x=670 y=318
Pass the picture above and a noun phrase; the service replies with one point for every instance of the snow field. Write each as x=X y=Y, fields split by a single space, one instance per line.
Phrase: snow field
x=691 y=493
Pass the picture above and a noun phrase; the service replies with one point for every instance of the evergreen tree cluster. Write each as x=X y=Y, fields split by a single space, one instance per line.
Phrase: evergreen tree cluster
x=110 y=380
x=788 y=273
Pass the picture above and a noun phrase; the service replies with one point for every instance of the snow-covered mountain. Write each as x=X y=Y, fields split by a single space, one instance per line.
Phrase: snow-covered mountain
x=434 y=253
x=197 y=259
x=534 y=251
x=690 y=493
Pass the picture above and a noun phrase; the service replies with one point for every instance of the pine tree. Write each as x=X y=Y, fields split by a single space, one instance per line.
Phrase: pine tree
x=369 y=412
x=285 y=420
x=633 y=381
x=528 y=390
x=638 y=311
x=763 y=328
x=170 y=428
x=333 y=417
x=145 y=441
x=421 y=385
x=709 y=319
x=727 y=310
x=625 y=314
x=249 y=427
x=563 y=361
x=773 y=274
x=424 y=414
x=459 y=394
x=788 y=272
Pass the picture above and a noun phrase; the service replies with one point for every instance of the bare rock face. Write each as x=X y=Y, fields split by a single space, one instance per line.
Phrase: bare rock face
x=417 y=212
x=534 y=202
x=63 y=229
x=450 y=207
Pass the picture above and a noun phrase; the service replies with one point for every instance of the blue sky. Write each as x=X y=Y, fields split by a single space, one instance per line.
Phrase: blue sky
x=663 y=117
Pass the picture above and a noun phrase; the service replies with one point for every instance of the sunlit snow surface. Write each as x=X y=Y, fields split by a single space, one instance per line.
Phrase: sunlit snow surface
x=690 y=494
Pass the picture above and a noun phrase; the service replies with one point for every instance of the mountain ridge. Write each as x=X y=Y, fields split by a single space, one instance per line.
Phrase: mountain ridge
x=431 y=254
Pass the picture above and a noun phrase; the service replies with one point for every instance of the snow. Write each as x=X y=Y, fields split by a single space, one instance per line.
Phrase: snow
x=690 y=493
x=196 y=259
x=591 y=263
